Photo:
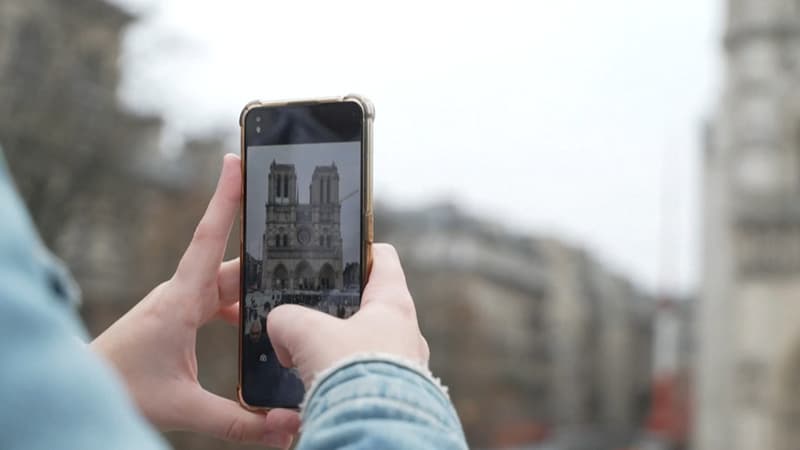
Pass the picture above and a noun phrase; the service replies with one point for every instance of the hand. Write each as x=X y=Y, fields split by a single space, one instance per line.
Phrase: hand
x=386 y=323
x=153 y=345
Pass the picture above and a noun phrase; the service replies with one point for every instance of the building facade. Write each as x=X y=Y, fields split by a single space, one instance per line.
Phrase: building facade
x=540 y=344
x=104 y=198
x=302 y=243
x=748 y=365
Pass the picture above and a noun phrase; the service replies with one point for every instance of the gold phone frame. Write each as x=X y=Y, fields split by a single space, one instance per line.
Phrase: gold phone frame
x=367 y=218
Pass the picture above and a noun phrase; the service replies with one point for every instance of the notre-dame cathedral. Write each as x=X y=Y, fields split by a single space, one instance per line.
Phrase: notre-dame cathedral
x=302 y=243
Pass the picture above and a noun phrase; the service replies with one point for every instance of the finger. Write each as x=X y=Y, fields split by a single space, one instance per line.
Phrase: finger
x=287 y=327
x=202 y=259
x=225 y=419
x=387 y=282
x=229 y=313
x=229 y=282
x=281 y=419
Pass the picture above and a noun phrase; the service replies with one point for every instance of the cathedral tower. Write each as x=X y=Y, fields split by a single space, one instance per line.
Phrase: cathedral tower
x=281 y=184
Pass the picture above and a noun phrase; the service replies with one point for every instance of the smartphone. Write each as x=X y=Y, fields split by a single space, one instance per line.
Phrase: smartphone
x=306 y=226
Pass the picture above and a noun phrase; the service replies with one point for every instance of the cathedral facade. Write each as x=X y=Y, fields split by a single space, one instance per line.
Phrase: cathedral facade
x=302 y=243
x=747 y=382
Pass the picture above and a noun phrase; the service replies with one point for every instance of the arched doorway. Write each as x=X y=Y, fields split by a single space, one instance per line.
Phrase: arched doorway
x=327 y=277
x=304 y=276
x=280 y=277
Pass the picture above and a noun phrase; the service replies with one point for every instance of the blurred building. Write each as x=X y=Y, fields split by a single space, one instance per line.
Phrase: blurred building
x=90 y=172
x=103 y=196
x=537 y=341
x=748 y=321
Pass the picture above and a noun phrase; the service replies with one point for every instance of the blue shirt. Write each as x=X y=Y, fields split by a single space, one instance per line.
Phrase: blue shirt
x=56 y=393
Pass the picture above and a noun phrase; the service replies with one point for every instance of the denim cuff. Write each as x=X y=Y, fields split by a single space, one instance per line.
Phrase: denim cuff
x=358 y=358
x=381 y=383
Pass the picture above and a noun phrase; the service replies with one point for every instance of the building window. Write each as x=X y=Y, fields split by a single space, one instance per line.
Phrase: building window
x=286 y=186
x=322 y=241
x=328 y=189
x=796 y=162
x=32 y=53
x=285 y=240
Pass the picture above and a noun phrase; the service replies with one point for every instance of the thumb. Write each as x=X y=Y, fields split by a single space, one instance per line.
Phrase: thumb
x=291 y=330
x=227 y=420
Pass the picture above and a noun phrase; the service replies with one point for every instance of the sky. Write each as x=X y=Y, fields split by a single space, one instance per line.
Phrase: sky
x=575 y=119
x=305 y=157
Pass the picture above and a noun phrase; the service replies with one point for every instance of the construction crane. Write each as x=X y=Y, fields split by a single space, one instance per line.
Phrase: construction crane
x=348 y=196
x=667 y=424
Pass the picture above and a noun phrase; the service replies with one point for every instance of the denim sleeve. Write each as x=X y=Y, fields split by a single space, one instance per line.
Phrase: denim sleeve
x=54 y=392
x=379 y=403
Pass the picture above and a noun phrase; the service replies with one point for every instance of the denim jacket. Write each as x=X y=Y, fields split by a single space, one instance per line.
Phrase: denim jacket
x=56 y=393
x=379 y=402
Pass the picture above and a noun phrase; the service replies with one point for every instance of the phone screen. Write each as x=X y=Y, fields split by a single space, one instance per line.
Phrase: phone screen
x=302 y=228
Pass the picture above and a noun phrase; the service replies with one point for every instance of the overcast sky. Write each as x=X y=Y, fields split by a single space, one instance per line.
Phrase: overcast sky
x=556 y=117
